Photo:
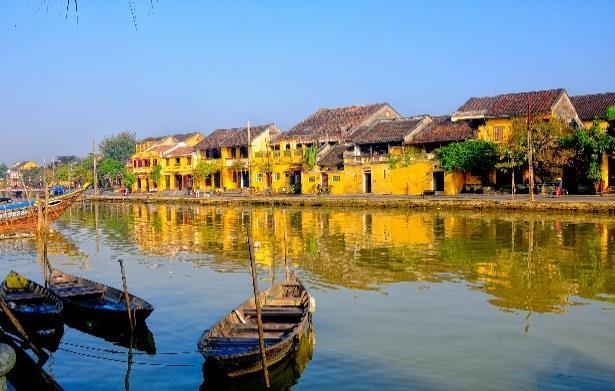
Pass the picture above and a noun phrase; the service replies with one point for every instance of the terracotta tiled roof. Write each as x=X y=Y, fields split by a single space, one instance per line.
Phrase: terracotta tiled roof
x=509 y=105
x=331 y=124
x=215 y=139
x=385 y=131
x=593 y=106
x=333 y=157
x=443 y=130
x=240 y=135
x=180 y=137
x=160 y=148
x=179 y=151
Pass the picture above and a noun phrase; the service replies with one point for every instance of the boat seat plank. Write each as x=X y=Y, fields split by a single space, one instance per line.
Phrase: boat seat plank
x=266 y=327
x=23 y=295
x=78 y=291
x=285 y=302
x=276 y=311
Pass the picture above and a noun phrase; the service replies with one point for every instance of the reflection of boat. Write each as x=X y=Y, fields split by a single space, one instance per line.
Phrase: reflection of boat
x=26 y=374
x=19 y=216
x=282 y=376
x=232 y=345
x=35 y=307
x=142 y=337
x=87 y=299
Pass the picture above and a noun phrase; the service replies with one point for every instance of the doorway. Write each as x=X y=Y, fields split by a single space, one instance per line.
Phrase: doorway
x=438 y=181
x=367 y=182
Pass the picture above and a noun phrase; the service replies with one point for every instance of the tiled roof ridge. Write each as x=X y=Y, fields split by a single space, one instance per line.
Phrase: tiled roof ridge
x=517 y=93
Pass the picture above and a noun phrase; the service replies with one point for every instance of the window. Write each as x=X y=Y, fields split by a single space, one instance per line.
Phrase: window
x=259 y=177
x=299 y=146
x=498 y=133
x=312 y=179
x=287 y=147
x=276 y=176
x=167 y=161
x=189 y=160
x=177 y=161
x=336 y=178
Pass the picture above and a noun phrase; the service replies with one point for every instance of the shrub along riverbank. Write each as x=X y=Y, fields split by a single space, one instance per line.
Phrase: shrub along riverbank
x=601 y=205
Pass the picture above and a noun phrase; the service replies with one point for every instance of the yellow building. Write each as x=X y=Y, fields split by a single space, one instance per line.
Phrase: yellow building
x=150 y=152
x=592 y=108
x=493 y=116
x=233 y=159
x=382 y=160
x=294 y=155
x=13 y=173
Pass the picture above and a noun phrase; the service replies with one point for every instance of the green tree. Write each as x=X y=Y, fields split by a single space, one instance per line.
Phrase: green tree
x=128 y=178
x=119 y=146
x=3 y=170
x=310 y=156
x=477 y=156
x=550 y=154
x=589 y=146
x=155 y=174
x=110 y=171
x=205 y=168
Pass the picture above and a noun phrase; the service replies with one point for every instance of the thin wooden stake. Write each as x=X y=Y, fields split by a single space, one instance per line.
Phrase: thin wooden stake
x=259 y=321
x=24 y=335
x=126 y=296
x=285 y=249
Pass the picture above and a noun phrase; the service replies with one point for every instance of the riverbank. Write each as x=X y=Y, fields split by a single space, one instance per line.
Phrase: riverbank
x=580 y=204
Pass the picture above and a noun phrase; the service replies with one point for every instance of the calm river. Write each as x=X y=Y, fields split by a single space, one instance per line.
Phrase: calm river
x=404 y=300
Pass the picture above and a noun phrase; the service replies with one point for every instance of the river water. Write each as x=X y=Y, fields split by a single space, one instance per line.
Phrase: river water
x=404 y=299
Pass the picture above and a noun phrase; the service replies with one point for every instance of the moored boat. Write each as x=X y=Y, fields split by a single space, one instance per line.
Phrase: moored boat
x=87 y=299
x=232 y=345
x=23 y=216
x=36 y=308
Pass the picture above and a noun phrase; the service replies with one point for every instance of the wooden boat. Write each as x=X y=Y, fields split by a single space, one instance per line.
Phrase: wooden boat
x=26 y=374
x=23 y=216
x=232 y=345
x=87 y=299
x=36 y=307
x=283 y=376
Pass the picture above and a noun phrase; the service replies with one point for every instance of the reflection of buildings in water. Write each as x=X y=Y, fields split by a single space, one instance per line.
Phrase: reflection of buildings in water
x=367 y=249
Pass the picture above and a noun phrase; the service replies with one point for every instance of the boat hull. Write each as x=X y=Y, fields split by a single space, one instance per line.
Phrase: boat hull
x=26 y=218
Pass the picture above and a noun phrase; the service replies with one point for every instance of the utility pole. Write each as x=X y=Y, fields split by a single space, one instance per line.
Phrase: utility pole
x=249 y=165
x=530 y=149
x=95 y=174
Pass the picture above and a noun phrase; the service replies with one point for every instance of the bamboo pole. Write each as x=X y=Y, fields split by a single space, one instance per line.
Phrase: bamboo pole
x=530 y=149
x=285 y=249
x=22 y=332
x=126 y=296
x=259 y=321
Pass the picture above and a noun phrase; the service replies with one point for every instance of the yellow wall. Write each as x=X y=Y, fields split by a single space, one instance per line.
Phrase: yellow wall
x=412 y=180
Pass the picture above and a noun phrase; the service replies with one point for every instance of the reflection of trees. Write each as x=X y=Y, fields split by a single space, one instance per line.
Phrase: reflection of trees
x=363 y=249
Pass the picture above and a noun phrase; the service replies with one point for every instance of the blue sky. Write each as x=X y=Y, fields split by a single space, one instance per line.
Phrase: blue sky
x=198 y=65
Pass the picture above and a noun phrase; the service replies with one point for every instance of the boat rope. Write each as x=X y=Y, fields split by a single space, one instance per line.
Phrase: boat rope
x=155 y=364
x=124 y=352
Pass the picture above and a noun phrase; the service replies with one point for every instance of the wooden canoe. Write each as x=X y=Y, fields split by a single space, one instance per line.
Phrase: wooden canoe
x=35 y=307
x=87 y=299
x=26 y=374
x=232 y=346
x=23 y=216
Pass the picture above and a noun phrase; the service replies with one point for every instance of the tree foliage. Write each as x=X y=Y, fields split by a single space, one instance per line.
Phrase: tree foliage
x=472 y=155
x=155 y=174
x=3 y=170
x=310 y=156
x=589 y=146
x=110 y=171
x=205 y=168
x=549 y=153
x=119 y=146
